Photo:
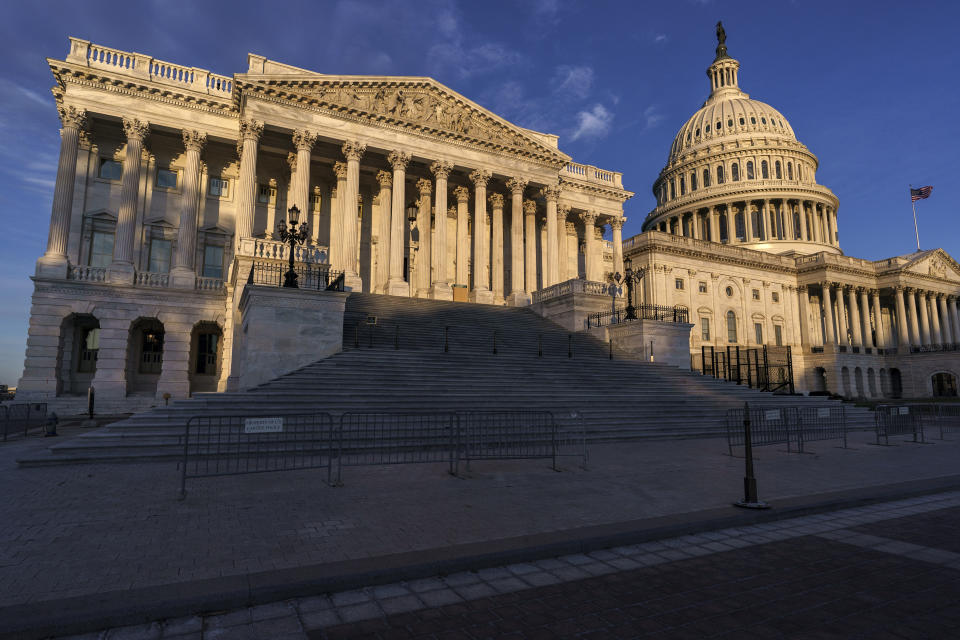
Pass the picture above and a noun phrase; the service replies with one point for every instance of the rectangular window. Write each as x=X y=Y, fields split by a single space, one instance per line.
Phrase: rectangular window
x=159 y=256
x=776 y=296
x=212 y=261
x=207 y=353
x=110 y=169
x=101 y=249
x=89 y=347
x=705 y=328
x=756 y=294
x=263 y=194
x=778 y=335
x=758 y=330
x=679 y=283
x=702 y=286
x=219 y=187
x=166 y=179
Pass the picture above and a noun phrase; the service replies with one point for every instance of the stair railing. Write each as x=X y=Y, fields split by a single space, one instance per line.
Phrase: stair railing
x=569 y=345
x=494 y=342
x=446 y=339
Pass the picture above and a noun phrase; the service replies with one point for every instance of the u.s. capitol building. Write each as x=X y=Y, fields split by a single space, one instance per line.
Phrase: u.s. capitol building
x=172 y=182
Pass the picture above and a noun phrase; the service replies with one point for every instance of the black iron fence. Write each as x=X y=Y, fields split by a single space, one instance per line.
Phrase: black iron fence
x=658 y=312
x=373 y=439
x=790 y=426
x=319 y=277
x=898 y=420
x=767 y=368
x=21 y=418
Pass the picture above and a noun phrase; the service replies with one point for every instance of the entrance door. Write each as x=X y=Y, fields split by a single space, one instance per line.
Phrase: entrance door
x=944 y=385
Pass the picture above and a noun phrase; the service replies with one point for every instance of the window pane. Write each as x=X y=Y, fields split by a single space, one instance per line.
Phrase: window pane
x=218 y=186
x=705 y=322
x=212 y=261
x=166 y=179
x=111 y=170
x=758 y=329
x=731 y=327
x=778 y=335
x=159 y=256
x=101 y=249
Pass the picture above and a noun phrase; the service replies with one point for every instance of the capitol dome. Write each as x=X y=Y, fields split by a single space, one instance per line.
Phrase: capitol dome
x=737 y=174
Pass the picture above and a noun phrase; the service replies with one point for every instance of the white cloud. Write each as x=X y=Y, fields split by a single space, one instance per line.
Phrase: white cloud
x=575 y=81
x=652 y=117
x=660 y=38
x=594 y=123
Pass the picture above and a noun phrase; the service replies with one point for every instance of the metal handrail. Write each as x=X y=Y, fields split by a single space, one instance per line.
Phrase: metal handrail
x=657 y=312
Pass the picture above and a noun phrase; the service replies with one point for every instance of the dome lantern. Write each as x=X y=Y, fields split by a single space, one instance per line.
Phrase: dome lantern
x=723 y=72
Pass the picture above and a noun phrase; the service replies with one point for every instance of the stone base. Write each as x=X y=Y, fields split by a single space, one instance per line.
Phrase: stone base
x=352 y=282
x=481 y=296
x=441 y=291
x=650 y=340
x=398 y=288
x=181 y=278
x=121 y=273
x=52 y=267
x=518 y=299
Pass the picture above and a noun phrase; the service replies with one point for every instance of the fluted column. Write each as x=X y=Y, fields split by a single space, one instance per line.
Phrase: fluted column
x=617 y=225
x=424 y=255
x=935 y=337
x=481 y=291
x=250 y=132
x=924 y=317
x=517 y=295
x=903 y=326
x=803 y=296
x=463 y=246
x=842 y=335
x=353 y=151
x=731 y=225
x=551 y=274
x=855 y=322
x=590 y=241
x=530 y=248
x=914 y=320
x=955 y=319
x=303 y=140
x=183 y=274
x=946 y=335
x=382 y=274
x=881 y=331
x=122 y=269
x=440 y=289
x=714 y=215
x=830 y=337
x=865 y=319
x=336 y=217
x=396 y=285
x=803 y=220
x=562 y=258
x=496 y=251
x=54 y=261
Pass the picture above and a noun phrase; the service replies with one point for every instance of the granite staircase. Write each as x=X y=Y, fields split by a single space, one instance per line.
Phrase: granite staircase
x=403 y=354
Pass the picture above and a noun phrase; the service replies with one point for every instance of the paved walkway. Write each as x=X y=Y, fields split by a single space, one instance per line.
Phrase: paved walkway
x=111 y=542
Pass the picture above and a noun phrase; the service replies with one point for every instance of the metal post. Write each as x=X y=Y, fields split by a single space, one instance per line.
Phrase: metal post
x=539 y=345
x=494 y=342
x=396 y=337
x=356 y=337
x=371 y=327
x=91 y=395
x=610 y=342
x=750 y=500
x=570 y=345
x=446 y=339
x=790 y=374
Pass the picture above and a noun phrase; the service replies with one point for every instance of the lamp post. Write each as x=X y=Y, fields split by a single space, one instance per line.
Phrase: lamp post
x=627 y=280
x=294 y=236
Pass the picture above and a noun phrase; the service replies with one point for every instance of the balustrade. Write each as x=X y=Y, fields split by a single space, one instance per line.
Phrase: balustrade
x=151 y=279
x=83 y=273
x=594 y=174
x=209 y=284
x=575 y=285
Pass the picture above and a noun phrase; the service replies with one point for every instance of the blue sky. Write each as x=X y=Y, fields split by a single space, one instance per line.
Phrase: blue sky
x=870 y=87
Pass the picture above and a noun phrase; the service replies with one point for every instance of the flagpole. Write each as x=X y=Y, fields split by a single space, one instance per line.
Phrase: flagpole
x=916 y=230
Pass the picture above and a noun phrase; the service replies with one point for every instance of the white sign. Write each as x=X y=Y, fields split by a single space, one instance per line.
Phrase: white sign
x=772 y=415
x=823 y=413
x=904 y=411
x=263 y=425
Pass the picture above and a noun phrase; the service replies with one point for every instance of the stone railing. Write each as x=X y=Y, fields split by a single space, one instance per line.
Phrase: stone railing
x=209 y=284
x=731 y=251
x=571 y=286
x=593 y=174
x=148 y=68
x=263 y=249
x=151 y=279
x=741 y=190
x=830 y=259
x=87 y=274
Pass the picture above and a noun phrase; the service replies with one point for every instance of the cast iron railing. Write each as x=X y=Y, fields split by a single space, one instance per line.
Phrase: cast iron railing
x=318 y=277
x=658 y=312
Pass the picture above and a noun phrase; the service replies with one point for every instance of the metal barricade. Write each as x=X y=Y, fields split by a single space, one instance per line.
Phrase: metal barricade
x=508 y=435
x=23 y=417
x=767 y=426
x=822 y=423
x=233 y=445
x=898 y=420
x=947 y=416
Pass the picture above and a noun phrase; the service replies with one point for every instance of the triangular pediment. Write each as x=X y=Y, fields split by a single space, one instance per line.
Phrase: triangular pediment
x=936 y=263
x=411 y=103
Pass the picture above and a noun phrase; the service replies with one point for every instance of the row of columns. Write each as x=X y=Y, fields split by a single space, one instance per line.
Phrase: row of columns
x=706 y=223
x=924 y=318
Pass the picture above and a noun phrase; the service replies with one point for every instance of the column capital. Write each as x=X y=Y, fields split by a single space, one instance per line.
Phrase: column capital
x=551 y=193
x=951 y=298
x=588 y=217
x=899 y=288
x=875 y=293
x=340 y=170
x=398 y=160
x=529 y=207
x=616 y=223
x=462 y=194
x=194 y=140
x=563 y=209
x=441 y=169
x=135 y=129
x=496 y=200
x=72 y=117
x=424 y=186
x=802 y=288
x=859 y=288
x=480 y=177
x=385 y=178
x=251 y=129
x=516 y=185
x=292 y=161
x=451 y=212
x=353 y=150
x=304 y=140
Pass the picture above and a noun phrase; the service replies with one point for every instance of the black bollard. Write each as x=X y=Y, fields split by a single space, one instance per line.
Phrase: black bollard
x=610 y=342
x=539 y=345
x=750 y=499
x=494 y=342
x=396 y=338
x=446 y=339
x=50 y=430
x=570 y=345
x=91 y=395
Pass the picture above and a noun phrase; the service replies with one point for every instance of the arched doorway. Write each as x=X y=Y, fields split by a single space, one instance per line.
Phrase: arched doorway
x=884 y=383
x=944 y=385
x=872 y=382
x=896 y=383
x=206 y=346
x=845 y=379
x=858 y=381
x=819 y=381
x=144 y=356
x=77 y=353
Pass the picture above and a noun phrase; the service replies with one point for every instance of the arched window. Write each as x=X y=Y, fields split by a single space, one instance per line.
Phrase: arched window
x=750 y=174
x=673 y=190
x=742 y=121
x=764 y=171
x=719 y=125
x=730 y=122
x=776 y=168
x=799 y=173
x=683 y=186
x=789 y=171
x=753 y=120
x=735 y=171
x=731 y=326
x=706 y=177
x=663 y=193
x=723 y=229
x=706 y=129
x=740 y=225
x=796 y=225
x=763 y=121
x=693 y=180
x=720 y=174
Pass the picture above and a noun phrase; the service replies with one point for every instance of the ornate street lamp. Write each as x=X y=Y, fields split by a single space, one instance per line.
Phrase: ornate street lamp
x=294 y=236
x=627 y=280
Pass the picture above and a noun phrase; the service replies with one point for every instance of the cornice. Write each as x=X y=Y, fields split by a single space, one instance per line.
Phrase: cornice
x=655 y=246
x=622 y=195
x=689 y=201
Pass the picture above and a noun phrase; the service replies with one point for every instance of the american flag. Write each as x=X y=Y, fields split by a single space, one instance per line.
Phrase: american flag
x=920 y=194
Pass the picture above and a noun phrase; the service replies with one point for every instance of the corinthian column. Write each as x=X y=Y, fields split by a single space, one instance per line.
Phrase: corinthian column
x=481 y=292
x=53 y=263
x=955 y=319
x=924 y=317
x=397 y=286
x=336 y=218
x=250 y=131
x=829 y=337
x=383 y=233
x=530 y=258
x=424 y=228
x=914 y=320
x=590 y=241
x=353 y=151
x=518 y=297
x=303 y=140
x=183 y=274
x=855 y=323
x=865 y=316
x=804 y=299
x=935 y=336
x=122 y=269
x=903 y=330
x=441 y=287
x=617 y=225
x=562 y=258
x=496 y=262
x=551 y=273
x=946 y=333
x=881 y=333
x=463 y=247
